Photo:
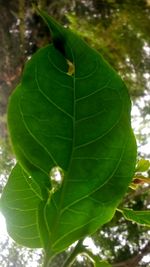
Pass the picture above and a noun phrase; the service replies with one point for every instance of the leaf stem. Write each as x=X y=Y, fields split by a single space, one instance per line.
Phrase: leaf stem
x=93 y=258
x=80 y=249
x=48 y=258
x=71 y=258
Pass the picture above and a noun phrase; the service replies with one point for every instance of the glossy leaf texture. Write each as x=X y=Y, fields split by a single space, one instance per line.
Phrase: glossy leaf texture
x=140 y=217
x=72 y=111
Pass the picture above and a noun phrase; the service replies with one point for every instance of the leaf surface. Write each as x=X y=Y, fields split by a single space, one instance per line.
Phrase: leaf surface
x=102 y=264
x=142 y=165
x=140 y=217
x=20 y=202
x=72 y=111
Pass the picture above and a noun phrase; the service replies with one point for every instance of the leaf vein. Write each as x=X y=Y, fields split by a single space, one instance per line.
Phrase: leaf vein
x=93 y=93
x=35 y=138
x=91 y=116
x=48 y=98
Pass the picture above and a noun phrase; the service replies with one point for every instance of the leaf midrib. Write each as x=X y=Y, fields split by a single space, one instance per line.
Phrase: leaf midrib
x=73 y=135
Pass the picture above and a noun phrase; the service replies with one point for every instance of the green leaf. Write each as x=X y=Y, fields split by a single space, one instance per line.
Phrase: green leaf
x=20 y=202
x=72 y=112
x=102 y=264
x=142 y=165
x=140 y=217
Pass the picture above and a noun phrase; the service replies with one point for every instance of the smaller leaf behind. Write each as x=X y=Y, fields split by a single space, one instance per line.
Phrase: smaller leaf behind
x=19 y=203
x=143 y=165
x=140 y=217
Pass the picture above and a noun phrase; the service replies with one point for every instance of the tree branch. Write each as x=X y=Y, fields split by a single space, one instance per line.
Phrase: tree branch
x=136 y=193
x=133 y=262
